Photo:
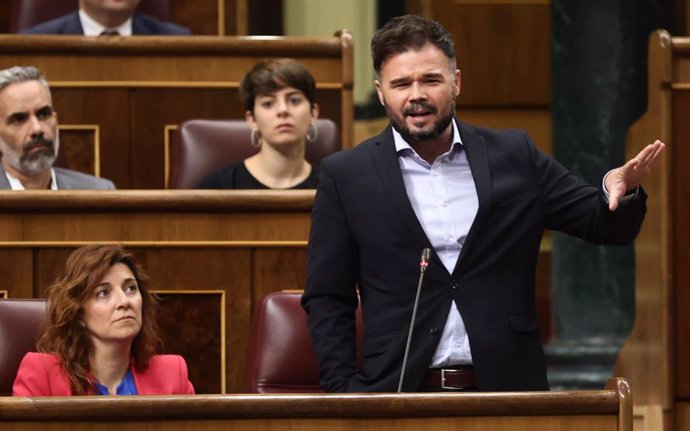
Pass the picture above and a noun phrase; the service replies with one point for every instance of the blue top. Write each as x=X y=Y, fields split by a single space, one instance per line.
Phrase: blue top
x=126 y=386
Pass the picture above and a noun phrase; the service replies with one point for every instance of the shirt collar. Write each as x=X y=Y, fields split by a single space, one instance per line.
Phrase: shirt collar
x=92 y=27
x=402 y=147
x=15 y=184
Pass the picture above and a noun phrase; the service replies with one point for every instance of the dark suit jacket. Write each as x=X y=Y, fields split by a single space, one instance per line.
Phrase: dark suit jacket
x=68 y=180
x=364 y=231
x=142 y=24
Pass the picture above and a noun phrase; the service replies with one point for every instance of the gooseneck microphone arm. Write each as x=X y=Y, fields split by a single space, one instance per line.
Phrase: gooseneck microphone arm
x=423 y=263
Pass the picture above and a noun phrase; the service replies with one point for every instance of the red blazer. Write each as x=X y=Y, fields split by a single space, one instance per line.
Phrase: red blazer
x=40 y=375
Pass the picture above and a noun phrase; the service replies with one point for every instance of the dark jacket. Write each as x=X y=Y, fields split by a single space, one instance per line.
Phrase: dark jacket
x=365 y=232
x=141 y=25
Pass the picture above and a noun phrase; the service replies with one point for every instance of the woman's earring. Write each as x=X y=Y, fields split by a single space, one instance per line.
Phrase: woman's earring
x=314 y=133
x=255 y=139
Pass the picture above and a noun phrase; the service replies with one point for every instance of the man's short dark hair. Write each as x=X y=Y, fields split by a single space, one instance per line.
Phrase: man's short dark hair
x=409 y=32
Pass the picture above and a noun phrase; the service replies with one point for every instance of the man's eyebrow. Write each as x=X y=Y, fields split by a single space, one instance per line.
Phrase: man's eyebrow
x=400 y=80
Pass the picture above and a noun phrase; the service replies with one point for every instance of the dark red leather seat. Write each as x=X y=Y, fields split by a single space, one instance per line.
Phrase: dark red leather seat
x=20 y=320
x=201 y=146
x=280 y=357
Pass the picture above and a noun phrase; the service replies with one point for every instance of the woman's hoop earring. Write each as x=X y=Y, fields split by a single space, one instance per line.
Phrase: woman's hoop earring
x=255 y=139
x=314 y=134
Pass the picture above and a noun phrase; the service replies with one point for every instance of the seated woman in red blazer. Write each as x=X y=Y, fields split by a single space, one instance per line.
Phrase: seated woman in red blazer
x=100 y=334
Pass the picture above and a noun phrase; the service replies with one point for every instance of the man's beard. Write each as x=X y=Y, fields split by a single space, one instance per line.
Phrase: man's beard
x=427 y=133
x=39 y=162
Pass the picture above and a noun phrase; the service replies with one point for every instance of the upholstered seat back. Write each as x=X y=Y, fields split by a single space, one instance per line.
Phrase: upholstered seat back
x=280 y=357
x=28 y=13
x=201 y=146
x=20 y=320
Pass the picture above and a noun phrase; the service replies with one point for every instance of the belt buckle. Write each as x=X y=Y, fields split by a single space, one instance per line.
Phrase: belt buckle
x=443 y=380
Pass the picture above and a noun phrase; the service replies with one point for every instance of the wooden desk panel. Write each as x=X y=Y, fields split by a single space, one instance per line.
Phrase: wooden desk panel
x=605 y=410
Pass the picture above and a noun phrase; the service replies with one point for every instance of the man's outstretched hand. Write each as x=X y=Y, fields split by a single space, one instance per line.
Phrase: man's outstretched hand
x=629 y=176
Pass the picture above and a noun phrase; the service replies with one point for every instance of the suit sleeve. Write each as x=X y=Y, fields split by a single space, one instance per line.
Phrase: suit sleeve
x=330 y=297
x=32 y=378
x=581 y=209
x=186 y=387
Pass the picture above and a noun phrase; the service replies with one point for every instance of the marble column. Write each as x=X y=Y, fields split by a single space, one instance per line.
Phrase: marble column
x=599 y=89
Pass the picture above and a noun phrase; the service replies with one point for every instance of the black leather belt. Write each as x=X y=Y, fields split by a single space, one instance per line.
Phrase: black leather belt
x=459 y=378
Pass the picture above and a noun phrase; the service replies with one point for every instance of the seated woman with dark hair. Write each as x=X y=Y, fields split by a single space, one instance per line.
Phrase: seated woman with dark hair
x=278 y=96
x=100 y=335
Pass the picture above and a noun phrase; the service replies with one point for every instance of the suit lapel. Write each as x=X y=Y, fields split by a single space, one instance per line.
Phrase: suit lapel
x=387 y=168
x=63 y=181
x=73 y=25
x=475 y=147
x=139 y=27
x=4 y=182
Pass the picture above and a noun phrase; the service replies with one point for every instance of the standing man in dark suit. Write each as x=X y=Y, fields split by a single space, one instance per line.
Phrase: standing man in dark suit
x=480 y=199
x=97 y=17
x=29 y=137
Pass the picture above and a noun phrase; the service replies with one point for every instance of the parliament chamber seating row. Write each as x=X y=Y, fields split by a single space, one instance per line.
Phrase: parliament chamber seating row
x=125 y=106
x=120 y=100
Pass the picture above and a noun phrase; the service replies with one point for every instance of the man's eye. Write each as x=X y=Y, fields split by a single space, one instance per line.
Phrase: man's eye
x=17 y=119
x=45 y=114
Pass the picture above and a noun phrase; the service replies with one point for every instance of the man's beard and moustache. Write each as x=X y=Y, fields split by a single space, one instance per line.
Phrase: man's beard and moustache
x=40 y=161
x=426 y=134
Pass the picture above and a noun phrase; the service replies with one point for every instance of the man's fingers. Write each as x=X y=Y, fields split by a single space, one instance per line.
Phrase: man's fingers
x=613 y=202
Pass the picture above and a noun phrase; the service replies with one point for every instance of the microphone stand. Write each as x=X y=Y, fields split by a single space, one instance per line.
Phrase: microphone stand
x=423 y=263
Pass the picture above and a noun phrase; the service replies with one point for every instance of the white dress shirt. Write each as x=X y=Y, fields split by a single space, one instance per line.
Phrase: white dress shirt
x=444 y=198
x=92 y=27
x=15 y=184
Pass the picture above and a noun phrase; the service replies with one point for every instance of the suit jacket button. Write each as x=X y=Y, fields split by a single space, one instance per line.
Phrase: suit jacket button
x=434 y=330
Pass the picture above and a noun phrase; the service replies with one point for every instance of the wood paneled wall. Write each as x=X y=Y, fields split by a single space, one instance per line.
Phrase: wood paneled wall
x=654 y=357
x=503 y=52
x=132 y=88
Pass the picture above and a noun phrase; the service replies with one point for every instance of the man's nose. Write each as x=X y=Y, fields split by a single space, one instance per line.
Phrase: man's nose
x=36 y=126
x=417 y=92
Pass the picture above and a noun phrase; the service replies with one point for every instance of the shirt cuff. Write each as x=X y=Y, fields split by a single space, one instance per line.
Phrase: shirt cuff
x=628 y=196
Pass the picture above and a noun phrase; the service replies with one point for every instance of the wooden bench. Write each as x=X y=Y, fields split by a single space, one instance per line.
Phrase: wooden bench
x=655 y=357
x=601 y=410
x=121 y=97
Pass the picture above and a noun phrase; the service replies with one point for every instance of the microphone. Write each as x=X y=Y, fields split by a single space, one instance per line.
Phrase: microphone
x=423 y=263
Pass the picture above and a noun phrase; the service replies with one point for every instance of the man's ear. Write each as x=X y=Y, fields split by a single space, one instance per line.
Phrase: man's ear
x=457 y=83
x=382 y=100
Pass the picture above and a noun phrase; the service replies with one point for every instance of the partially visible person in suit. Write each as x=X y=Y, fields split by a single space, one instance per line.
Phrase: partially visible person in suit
x=281 y=110
x=107 y=17
x=100 y=336
x=29 y=138
x=478 y=199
